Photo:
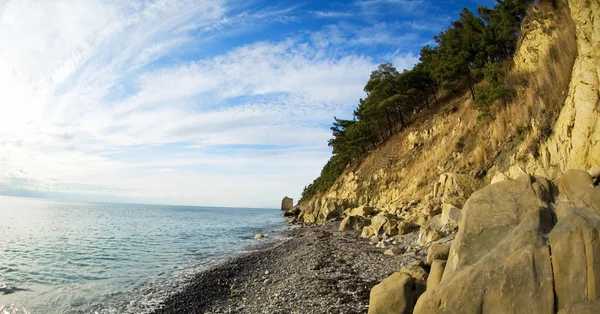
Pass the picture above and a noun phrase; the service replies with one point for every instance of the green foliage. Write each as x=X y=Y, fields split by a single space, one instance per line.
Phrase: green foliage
x=496 y=89
x=466 y=52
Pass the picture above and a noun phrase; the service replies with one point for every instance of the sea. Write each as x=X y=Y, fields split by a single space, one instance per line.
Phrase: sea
x=65 y=257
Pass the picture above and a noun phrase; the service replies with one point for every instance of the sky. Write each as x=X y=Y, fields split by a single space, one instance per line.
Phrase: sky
x=201 y=102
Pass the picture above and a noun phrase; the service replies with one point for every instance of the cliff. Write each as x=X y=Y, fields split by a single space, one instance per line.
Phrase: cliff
x=448 y=152
x=507 y=206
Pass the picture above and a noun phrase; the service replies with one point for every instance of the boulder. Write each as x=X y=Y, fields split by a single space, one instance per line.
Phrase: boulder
x=577 y=187
x=415 y=270
x=491 y=214
x=405 y=227
x=438 y=251
x=451 y=188
x=595 y=174
x=390 y=227
x=575 y=246
x=432 y=231
x=367 y=232
x=259 y=236
x=395 y=294
x=435 y=274
x=394 y=251
x=353 y=222
x=499 y=177
x=450 y=216
x=499 y=261
x=590 y=307
x=378 y=221
x=287 y=203
x=363 y=211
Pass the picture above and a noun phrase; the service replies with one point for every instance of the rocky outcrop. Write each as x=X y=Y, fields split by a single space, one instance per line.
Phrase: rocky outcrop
x=500 y=250
x=575 y=139
x=575 y=245
x=287 y=203
x=395 y=294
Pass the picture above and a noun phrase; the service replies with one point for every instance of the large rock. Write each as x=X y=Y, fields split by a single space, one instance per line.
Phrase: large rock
x=499 y=261
x=395 y=294
x=438 y=251
x=574 y=143
x=590 y=307
x=576 y=187
x=575 y=246
x=435 y=274
x=362 y=210
x=491 y=214
x=405 y=227
x=353 y=222
x=450 y=216
x=432 y=231
x=287 y=203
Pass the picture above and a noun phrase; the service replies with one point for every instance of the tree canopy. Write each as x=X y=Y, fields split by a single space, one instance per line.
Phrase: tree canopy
x=465 y=53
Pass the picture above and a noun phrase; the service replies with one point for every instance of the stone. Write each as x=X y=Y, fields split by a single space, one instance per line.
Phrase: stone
x=290 y=220
x=374 y=239
x=438 y=251
x=394 y=251
x=491 y=214
x=367 y=232
x=405 y=227
x=575 y=246
x=451 y=188
x=378 y=221
x=450 y=216
x=287 y=203
x=380 y=245
x=432 y=231
x=499 y=261
x=415 y=271
x=395 y=294
x=362 y=210
x=589 y=307
x=595 y=173
x=345 y=224
x=259 y=236
x=573 y=184
x=353 y=222
x=577 y=187
x=436 y=272
x=390 y=228
x=499 y=177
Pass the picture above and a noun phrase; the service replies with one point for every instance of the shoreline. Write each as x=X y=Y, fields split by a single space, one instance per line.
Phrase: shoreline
x=312 y=269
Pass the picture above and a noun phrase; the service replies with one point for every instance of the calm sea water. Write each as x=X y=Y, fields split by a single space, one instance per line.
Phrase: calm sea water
x=59 y=257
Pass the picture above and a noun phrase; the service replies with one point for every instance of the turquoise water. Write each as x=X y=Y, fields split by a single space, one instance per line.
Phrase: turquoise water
x=59 y=257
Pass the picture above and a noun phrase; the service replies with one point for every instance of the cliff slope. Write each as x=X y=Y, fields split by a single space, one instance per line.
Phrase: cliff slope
x=450 y=151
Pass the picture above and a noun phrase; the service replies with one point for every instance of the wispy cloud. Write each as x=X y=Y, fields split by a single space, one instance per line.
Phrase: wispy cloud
x=332 y=14
x=181 y=101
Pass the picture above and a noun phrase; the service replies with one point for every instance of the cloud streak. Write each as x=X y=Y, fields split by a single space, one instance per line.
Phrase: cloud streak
x=137 y=101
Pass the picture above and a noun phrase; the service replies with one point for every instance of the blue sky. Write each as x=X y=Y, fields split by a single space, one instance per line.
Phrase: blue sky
x=190 y=102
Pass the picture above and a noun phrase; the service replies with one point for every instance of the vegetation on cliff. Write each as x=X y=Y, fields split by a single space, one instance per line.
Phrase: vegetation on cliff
x=472 y=49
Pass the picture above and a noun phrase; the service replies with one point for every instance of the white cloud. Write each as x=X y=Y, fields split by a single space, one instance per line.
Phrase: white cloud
x=88 y=107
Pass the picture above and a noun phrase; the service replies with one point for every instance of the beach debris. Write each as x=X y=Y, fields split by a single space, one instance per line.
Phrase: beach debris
x=2 y=285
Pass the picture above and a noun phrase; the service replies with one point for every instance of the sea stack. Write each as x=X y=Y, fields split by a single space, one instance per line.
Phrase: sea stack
x=287 y=203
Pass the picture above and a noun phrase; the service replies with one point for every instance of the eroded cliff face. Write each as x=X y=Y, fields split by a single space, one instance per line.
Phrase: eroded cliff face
x=441 y=160
x=575 y=142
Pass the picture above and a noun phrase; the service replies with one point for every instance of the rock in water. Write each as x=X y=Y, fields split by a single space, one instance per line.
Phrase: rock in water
x=395 y=294
x=287 y=203
x=259 y=236
x=499 y=261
